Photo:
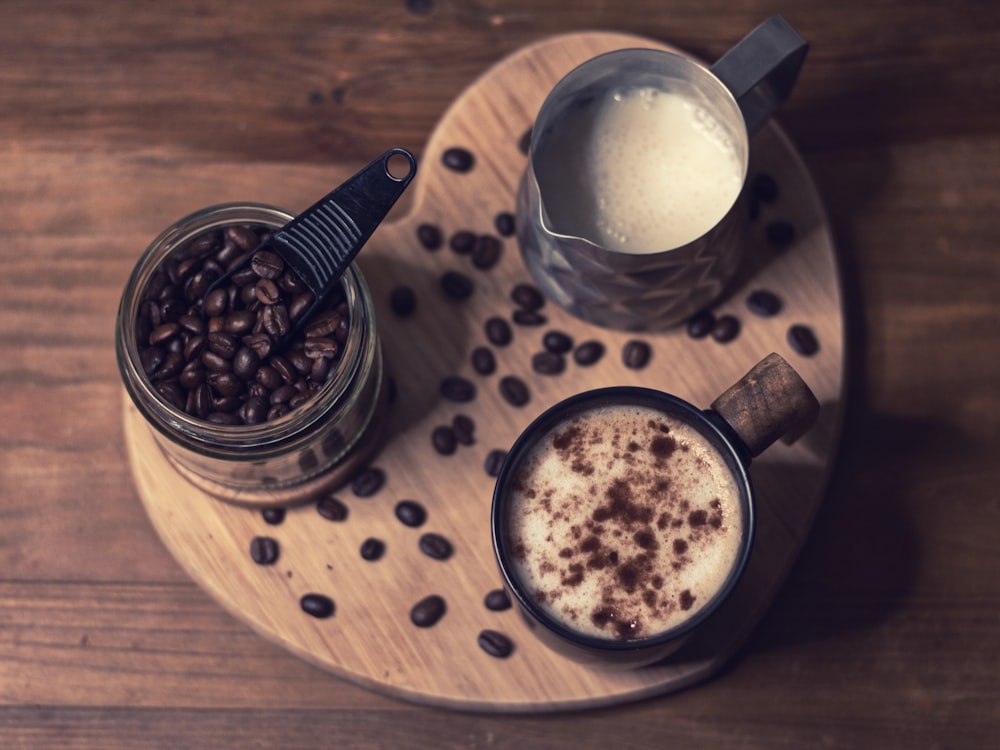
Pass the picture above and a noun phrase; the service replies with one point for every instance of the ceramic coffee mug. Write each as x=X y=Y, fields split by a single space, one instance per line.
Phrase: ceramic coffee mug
x=630 y=213
x=623 y=517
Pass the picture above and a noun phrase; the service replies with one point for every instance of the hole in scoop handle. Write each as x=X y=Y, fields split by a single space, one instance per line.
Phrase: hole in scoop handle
x=762 y=68
x=769 y=402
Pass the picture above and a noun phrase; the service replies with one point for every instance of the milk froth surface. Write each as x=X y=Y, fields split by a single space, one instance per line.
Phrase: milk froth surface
x=642 y=171
x=624 y=522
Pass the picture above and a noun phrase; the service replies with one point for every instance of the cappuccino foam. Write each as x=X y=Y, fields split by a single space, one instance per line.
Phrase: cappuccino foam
x=624 y=522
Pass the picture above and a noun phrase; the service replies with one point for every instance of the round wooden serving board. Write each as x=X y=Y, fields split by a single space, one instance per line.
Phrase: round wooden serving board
x=370 y=639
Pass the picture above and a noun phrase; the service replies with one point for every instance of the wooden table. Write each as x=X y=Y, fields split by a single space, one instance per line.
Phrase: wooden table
x=117 y=118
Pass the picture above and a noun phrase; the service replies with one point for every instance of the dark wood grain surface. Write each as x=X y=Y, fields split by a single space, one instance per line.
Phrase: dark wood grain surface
x=116 y=118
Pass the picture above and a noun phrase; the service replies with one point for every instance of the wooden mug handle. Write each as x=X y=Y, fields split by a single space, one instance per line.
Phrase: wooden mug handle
x=769 y=402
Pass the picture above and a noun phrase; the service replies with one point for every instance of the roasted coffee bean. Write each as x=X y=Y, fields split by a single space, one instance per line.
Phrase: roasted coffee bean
x=267 y=265
x=410 y=513
x=245 y=363
x=224 y=344
x=317 y=605
x=403 y=301
x=636 y=354
x=505 y=224
x=261 y=343
x=428 y=611
x=372 y=549
x=495 y=644
x=548 y=363
x=457 y=389
x=458 y=159
x=487 y=252
x=368 y=482
x=225 y=384
x=300 y=304
x=444 y=440
x=264 y=550
x=483 y=360
x=527 y=297
x=780 y=233
x=200 y=401
x=528 y=318
x=464 y=428
x=267 y=292
x=332 y=508
x=173 y=365
x=151 y=359
x=163 y=333
x=588 y=353
x=457 y=285
x=254 y=410
x=764 y=303
x=276 y=321
x=764 y=187
x=557 y=342
x=726 y=328
x=462 y=242
x=497 y=600
x=803 y=340
x=320 y=348
x=494 y=461
x=514 y=390
x=283 y=394
x=498 y=331
x=273 y=516
x=701 y=324
x=430 y=236
x=242 y=237
x=524 y=142
x=436 y=546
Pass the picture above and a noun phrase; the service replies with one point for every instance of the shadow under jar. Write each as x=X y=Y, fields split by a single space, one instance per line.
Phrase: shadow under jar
x=312 y=444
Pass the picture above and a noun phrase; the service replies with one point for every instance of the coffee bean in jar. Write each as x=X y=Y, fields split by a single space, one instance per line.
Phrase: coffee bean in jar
x=243 y=409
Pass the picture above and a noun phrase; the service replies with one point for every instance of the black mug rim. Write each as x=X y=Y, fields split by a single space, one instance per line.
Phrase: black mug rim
x=736 y=459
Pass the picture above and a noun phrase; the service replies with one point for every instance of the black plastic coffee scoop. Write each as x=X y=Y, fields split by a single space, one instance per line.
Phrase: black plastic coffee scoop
x=319 y=244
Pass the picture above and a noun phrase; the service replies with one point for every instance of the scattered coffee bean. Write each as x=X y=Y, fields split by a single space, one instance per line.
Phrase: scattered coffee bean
x=458 y=159
x=495 y=644
x=428 y=611
x=273 y=516
x=317 y=605
x=494 y=462
x=701 y=324
x=803 y=340
x=332 y=509
x=483 y=360
x=498 y=331
x=430 y=236
x=264 y=550
x=780 y=233
x=410 y=513
x=764 y=303
x=505 y=224
x=368 y=482
x=464 y=428
x=497 y=600
x=726 y=328
x=487 y=252
x=527 y=297
x=524 y=142
x=435 y=546
x=588 y=353
x=372 y=549
x=444 y=440
x=403 y=301
x=462 y=242
x=457 y=285
x=548 y=363
x=528 y=318
x=514 y=390
x=636 y=354
x=764 y=187
x=557 y=342
x=457 y=389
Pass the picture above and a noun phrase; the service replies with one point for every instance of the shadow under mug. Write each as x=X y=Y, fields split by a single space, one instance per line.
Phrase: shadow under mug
x=770 y=402
x=570 y=258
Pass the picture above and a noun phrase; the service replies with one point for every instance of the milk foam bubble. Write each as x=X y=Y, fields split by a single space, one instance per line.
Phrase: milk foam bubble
x=641 y=171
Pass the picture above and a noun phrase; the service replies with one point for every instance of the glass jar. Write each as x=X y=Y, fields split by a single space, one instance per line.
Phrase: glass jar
x=311 y=448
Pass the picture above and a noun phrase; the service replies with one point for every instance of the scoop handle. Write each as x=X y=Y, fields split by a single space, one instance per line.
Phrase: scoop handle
x=769 y=402
x=761 y=70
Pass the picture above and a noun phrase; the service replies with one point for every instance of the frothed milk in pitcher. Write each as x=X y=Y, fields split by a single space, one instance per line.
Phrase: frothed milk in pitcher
x=640 y=170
